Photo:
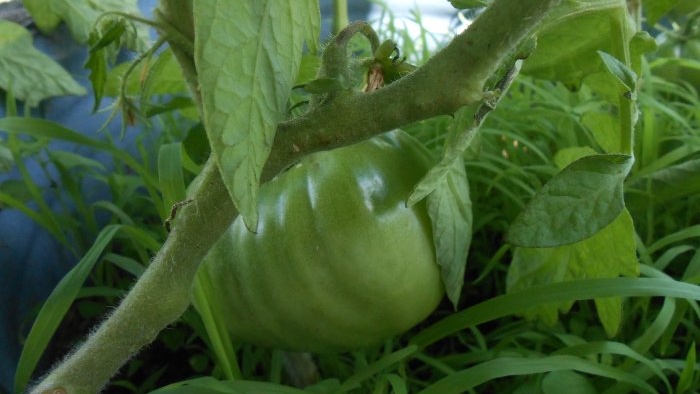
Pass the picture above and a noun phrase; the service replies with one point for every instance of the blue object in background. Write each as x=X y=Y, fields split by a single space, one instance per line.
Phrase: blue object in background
x=31 y=260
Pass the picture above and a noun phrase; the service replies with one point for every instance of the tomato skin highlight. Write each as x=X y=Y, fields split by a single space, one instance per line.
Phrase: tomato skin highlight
x=338 y=261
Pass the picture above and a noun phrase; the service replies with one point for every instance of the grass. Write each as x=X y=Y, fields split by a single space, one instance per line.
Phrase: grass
x=485 y=346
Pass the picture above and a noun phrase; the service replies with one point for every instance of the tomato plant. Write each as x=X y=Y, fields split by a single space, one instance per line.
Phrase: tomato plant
x=338 y=261
x=335 y=239
x=679 y=52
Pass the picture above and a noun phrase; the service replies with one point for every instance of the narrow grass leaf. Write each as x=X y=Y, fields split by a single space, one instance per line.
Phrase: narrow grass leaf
x=127 y=264
x=212 y=314
x=690 y=370
x=210 y=385
x=370 y=370
x=502 y=367
x=41 y=128
x=578 y=202
x=247 y=56
x=680 y=235
x=56 y=306
x=170 y=175
x=566 y=381
x=676 y=181
x=654 y=331
x=37 y=217
x=577 y=290
x=616 y=348
x=398 y=384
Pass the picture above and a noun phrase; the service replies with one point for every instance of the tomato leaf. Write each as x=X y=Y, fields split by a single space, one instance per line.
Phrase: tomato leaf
x=566 y=156
x=81 y=15
x=605 y=129
x=655 y=10
x=464 y=132
x=463 y=4
x=29 y=74
x=575 y=204
x=609 y=253
x=618 y=69
x=565 y=52
x=104 y=39
x=247 y=55
x=450 y=211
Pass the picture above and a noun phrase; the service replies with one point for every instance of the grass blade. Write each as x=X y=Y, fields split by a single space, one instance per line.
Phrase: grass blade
x=481 y=373
x=56 y=306
x=577 y=290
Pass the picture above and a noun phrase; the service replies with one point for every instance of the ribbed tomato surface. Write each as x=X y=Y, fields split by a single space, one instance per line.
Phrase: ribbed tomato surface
x=338 y=261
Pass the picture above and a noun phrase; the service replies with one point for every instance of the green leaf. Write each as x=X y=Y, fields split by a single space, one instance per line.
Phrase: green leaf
x=608 y=254
x=471 y=377
x=655 y=10
x=576 y=203
x=584 y=289
x=209 y=385
x=81 y=15
x=450 y=211
x=103 y=40
x=307 y=69
x=687 y=377
x=566 y=156
x=463 y=4
x=464 y=131
x=566 y=382
x=31 y=75
x=44 y=16
x=170 y=175
x=56 y=306
x=621 y=72
x=164 y=76
x=324 y=85
x=569 y=38
x=247 y=55
x=7 y=159
x=677 y=181
x=605 y=129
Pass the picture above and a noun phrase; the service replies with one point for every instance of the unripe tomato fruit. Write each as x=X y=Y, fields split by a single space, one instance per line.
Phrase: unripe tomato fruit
x=338 y=261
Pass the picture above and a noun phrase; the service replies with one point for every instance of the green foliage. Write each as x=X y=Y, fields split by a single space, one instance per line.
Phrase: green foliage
x=31 y=75
x=607 y=254
x=53 y=311
x=574 y=205
x=81 y=15
x=544 y=144
x=450 y=211
x=247 y=58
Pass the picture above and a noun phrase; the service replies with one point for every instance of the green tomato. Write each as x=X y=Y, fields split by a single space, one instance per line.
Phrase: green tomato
x=338 y=261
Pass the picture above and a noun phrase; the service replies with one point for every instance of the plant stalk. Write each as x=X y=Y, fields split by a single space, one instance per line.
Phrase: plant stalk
x=451 y=79
x=340 y=15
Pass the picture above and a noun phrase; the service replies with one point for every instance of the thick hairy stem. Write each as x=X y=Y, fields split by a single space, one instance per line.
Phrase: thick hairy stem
x=159 y=297
x=453 y=78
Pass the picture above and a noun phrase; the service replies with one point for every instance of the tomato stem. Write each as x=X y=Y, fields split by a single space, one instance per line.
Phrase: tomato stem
x=451 y=79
